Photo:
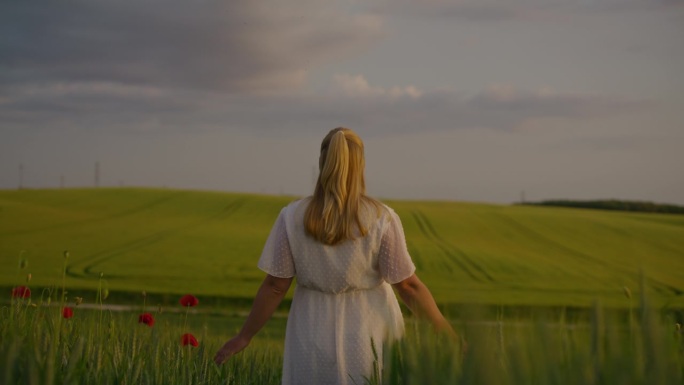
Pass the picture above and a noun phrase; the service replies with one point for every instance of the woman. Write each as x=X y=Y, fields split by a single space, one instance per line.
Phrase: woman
x=345 y=249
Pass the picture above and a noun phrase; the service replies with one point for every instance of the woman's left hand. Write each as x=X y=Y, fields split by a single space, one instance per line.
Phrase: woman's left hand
x=233 y=346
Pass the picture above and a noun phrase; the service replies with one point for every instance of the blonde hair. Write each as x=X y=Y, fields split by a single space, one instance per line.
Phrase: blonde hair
x=334 y=210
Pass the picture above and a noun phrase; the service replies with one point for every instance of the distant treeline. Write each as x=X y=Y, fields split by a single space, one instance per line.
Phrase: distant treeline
x=612 y=204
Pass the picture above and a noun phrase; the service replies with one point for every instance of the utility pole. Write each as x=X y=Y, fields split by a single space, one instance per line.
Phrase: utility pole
x=21 y=176
x=97 y=174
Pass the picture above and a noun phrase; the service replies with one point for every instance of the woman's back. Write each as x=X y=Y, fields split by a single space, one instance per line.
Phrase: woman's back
x=349 y=265
x=343 y=301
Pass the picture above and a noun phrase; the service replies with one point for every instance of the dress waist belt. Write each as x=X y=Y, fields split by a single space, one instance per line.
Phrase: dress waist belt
x=347 y=290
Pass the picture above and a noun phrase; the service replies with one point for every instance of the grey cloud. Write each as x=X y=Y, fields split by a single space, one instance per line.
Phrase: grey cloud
x=477 y=11
x=540 y=104
x=173 y=65
x=123 y=64
x=633 y=5
x=491 y=110
x=505 y=10
x=92 y=106
x=499 y=107
x=438 y=110
x=230 y=46
x=380 y=111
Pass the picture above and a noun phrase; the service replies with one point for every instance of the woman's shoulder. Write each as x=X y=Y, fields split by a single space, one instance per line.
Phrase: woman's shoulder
x=299 y=202
x=378 y=212
x=381 y=208
x=296 y=202
x=295 y=207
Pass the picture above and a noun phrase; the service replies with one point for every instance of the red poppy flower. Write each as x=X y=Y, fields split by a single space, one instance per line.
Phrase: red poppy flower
x=67 y=312
x=147 y=319
x=189 y=339
x=189 y=300
x=21 y=292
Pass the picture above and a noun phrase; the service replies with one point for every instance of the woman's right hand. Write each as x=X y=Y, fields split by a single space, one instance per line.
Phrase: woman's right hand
x=230 y=348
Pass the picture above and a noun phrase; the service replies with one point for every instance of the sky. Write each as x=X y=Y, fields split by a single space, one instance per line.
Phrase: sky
x=466 y=100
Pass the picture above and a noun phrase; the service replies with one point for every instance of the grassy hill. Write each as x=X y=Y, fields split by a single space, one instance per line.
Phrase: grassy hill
x=208 y=243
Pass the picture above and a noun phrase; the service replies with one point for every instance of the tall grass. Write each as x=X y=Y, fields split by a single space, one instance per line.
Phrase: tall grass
x=606 y=350
x=37 y=346
x=40 y=345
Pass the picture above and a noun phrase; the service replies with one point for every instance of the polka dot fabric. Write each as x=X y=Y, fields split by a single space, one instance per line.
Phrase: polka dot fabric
x=276 y=258
x=342 y=300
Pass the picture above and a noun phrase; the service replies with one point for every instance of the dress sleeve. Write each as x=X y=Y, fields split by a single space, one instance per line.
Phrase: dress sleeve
x=276 y=258
x=394 y=259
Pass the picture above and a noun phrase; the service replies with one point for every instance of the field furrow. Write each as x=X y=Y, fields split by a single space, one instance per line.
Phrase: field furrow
x=167 y=241
x=87 y=266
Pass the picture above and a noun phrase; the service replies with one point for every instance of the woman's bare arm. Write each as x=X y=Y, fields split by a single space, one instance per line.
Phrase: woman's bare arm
x=418 y=298
x=269 y=296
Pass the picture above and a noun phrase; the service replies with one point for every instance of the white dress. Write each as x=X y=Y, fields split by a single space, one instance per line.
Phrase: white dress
x=342 y=298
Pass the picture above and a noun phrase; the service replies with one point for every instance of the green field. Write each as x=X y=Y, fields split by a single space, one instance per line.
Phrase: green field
x=500 y=267
x=208 y=243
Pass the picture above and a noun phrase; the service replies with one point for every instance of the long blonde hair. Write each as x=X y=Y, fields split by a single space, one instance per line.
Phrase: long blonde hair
x=334 y=210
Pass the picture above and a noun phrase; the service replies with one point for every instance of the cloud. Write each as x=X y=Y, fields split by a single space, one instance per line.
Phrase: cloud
x=633 y=5
x=499 y=107
x=349 y=100
x=481 y=12
x=178 y=66
x=88 y=105
x=357 y=86
x=484 y=11
x=521 y=105
x=353 y=101
x=228 y=46
x=120 y=65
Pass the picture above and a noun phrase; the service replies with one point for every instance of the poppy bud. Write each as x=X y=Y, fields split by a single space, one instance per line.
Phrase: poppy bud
x=189 y=300
x=189 y=339
x=67 y=312
x=21 y=292
x=147 y=319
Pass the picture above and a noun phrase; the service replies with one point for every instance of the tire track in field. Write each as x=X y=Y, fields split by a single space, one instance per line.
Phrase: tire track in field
x=651 y=243
x=543 y=239
x=121 y=214
x=426 y=234
x=455 y=254
x=159 y=236
x=645 y=240
x=92 y=261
